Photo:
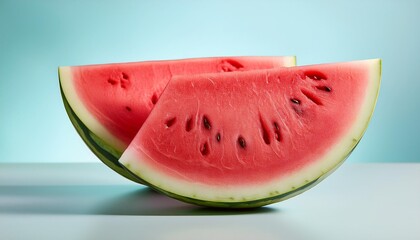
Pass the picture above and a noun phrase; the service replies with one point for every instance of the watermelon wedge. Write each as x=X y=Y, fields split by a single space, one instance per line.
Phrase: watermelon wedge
x=247 y=139
x=108 y=103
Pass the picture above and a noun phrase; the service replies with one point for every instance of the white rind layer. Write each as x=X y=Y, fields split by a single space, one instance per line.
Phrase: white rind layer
x=139 y=163
x=289 y=61
x=77 y=105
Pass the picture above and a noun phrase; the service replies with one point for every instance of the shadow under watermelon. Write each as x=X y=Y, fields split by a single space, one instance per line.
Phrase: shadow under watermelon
x=146 y=201
x=102 y=200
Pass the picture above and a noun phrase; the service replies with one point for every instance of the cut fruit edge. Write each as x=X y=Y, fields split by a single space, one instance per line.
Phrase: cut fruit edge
x=100 y=141
x=102 y=150
x=277 y=189
x=69 y=94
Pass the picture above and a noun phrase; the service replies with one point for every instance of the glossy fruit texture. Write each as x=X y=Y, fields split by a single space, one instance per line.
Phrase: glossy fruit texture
x=247 y=139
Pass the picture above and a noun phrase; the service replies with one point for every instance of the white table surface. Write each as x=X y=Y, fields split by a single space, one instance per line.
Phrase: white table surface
x=89 y=201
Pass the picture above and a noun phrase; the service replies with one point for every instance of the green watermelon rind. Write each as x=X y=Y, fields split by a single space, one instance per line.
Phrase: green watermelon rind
x=238 y=205
x=106 y=153
x=297 y=189
x=294 y=191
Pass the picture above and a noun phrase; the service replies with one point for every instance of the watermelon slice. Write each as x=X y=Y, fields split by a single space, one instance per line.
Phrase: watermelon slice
x=247 y=139
x=108 y=103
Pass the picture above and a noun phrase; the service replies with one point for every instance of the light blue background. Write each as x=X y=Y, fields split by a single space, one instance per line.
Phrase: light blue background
x=38 y=36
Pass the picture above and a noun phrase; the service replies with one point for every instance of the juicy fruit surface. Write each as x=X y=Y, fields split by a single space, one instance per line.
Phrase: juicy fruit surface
x=121 y=96
x=228 y=127
x=253 y=136
x=108 y=103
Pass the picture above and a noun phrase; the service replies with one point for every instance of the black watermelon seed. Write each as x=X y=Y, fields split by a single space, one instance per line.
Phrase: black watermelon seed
x=218 y=137
x=241 y=142
x=324 y=88
x=295 y=101
x=206 y=123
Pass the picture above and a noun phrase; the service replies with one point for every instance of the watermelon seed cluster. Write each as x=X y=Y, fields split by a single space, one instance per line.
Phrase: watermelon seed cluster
x=316 y=76
x=122 y=80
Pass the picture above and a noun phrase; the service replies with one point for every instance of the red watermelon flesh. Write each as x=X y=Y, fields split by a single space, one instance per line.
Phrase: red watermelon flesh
x=113 y=100
x=253 y=137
